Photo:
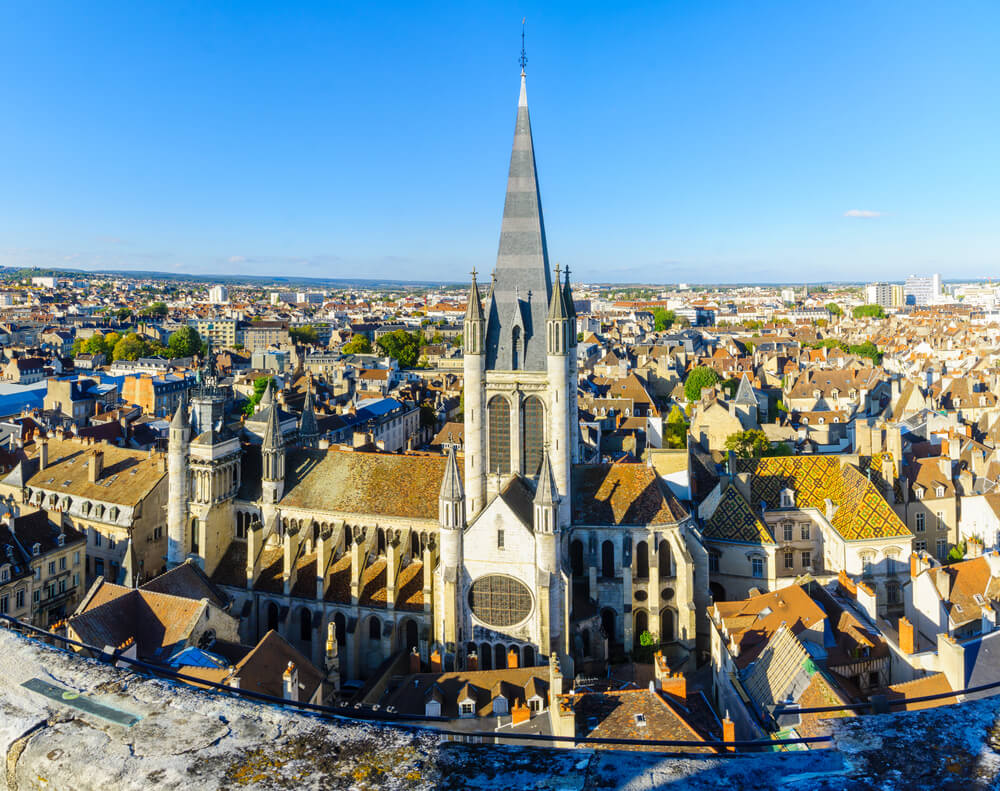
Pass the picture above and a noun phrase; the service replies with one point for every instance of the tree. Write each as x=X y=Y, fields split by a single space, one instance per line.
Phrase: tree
x=184 y=342
x=259 y=385
x=78 y=347
x=457 y=340
x=304 y=335
x=869 y=350
x=131 y=347
x=359 y=344
x=663 y=319
x=123 y=313
x=868 y=311
x=156 y=310
x=96 y=344
x=677 y=428
x=699 y=378
x=748 y=444
x=401 y=346
x=834 y=309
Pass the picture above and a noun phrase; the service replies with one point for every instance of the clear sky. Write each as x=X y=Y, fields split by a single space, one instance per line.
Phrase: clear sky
x=675 y=141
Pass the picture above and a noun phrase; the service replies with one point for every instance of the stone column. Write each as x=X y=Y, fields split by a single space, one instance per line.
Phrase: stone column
x=654 y=586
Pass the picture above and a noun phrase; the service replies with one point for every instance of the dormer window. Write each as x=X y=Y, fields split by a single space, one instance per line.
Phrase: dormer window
x=36 y=549
x=853 y=393
x=61 y=539
x=5 y=574
x=982 y=400
x=939 y=491
x=787 y=498
x=835 y=393
x=918 y=492
x=821 y=420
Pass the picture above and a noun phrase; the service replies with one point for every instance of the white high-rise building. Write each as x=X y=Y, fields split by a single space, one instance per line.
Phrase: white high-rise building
x=922 y=290
x=879 y=294
x=218 y=295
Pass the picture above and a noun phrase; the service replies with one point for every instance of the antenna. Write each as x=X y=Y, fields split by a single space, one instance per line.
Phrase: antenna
x=524 y=58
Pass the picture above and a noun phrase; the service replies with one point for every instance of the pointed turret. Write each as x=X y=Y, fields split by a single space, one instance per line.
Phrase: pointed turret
x=557 y=305
x=546 y=494
x=475 y=322
x=273 y=457
x=522 y=270
x=570 y=310
x=180 y=420
x=308 y=427
x=267 y=399
x=451 y=498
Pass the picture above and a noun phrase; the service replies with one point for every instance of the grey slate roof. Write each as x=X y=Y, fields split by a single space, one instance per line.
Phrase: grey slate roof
x=745 y=394
x=519 y=298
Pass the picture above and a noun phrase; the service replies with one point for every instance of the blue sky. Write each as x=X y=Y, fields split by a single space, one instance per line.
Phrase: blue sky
x=676 y=141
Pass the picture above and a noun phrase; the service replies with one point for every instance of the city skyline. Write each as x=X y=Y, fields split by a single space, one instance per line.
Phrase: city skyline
x=862 y=144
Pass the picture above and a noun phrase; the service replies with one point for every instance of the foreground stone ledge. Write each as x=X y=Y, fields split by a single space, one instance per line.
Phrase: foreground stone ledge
x=187 y=739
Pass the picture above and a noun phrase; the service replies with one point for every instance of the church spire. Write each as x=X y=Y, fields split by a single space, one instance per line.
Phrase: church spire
x=522 y=281
x=308 y=428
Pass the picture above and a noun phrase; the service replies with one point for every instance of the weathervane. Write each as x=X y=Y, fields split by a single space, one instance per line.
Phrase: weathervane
x=524 y=58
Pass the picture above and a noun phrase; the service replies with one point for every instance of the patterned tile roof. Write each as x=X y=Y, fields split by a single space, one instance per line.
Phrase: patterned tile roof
x=861 y=510
x=734 y=520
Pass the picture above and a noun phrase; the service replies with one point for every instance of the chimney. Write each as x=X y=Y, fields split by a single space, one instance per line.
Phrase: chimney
x=944 y=464
x=707 y=396
x=234 y=682
x=951 y=660
x=513 y=660
x=472 y=661
x=290 y=680
x=742 y=482
x=729 y=733
x=907 y=641
x=43 y=453
x=942 y=581
x=96 y=468
x=973 y=547
x=414 y=660
x=435 y=661
x=954 y=448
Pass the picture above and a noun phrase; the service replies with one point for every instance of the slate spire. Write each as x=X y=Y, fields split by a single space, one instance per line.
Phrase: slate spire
x=522 y=280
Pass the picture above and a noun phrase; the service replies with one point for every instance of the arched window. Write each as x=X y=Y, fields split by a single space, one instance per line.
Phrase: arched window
x=607 y=559
x=499 y=424
x=641 y=560
x=532 y=434
x=515 y=348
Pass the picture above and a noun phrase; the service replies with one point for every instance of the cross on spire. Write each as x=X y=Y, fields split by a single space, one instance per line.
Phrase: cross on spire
x=524 y=58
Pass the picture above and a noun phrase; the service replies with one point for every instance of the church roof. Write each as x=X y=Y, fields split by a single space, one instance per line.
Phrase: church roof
x=364 y=483
x=307 y=422
x=622 y=494
x=522 y=289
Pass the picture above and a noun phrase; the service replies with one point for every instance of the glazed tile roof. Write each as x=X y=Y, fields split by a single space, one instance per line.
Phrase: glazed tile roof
x=734 y=520
x=861 y=510
x=364 y=483
x=622 y=494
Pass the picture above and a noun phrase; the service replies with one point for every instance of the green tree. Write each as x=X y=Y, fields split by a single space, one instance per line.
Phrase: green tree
x=156 y=310
x=184 y=342
x=304 y=335
x=676 y=429
x=131 y=347
x=457 y=340
x=699 y=378
x=123 y=314
x=748 y=444
x=95 y=344
x=79 y=347
x=868 y=312
x=401 y=346
x=869 y=350
x=834 y=309
x=358 y=344
x=663 y=319
x=259 y=385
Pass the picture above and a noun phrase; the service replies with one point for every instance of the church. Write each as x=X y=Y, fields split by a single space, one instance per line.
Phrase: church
x=512 y=553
